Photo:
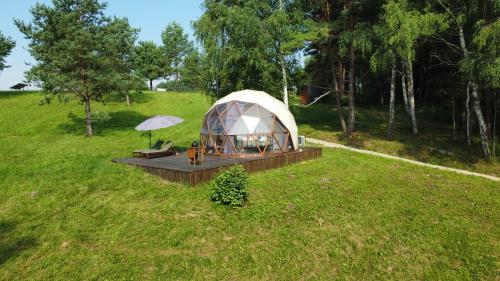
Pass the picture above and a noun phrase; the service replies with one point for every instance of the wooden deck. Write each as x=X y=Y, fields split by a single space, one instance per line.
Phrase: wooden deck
x=177 y=169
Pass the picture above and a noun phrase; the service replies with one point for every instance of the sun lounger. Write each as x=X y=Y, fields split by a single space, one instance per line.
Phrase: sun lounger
x=158 y=144
x=152 y=153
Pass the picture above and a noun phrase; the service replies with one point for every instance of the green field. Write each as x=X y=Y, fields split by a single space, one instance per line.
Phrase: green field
x=68 y=213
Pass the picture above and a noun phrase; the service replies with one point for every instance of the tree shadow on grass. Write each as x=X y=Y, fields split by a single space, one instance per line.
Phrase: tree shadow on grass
x=318 y=117
x=116 y=121
x=12 y=245
x=11 y=94
x=433 y=144
x=324 y=118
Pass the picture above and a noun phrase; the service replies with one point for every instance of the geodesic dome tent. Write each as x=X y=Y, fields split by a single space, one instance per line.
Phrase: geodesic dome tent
x=248 y=122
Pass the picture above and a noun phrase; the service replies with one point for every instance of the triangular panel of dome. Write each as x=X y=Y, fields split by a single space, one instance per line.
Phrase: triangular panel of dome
x=229 y=146
x=221 y=108
x=264 y=126
x=239 y=128
x=211 y=117
x=232 y=110
x=264 y=113
x=216 y=127
x=278 y=127
x=229 y=122
x=253 y=111
x=251 y=123
x=204 y=128
x=281 y=140
x=244 y=106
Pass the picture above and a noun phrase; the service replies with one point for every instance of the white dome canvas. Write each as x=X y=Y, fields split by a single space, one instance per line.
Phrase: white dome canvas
x=248 y=122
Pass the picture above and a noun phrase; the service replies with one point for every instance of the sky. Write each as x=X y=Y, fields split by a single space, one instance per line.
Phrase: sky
x=151 y=16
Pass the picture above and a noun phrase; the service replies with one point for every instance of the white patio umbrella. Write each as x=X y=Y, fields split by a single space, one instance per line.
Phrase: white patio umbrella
x=158 y=122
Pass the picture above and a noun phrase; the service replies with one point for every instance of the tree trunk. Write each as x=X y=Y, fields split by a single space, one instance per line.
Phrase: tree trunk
x=341 y=76
x=341 y=114
x=336 y=88
x=150 y=84
x=453 y=117
x=351 y=114
x=128 y=99
x=494 y=145
x=403 y=87
x=88 y=117
x=176 y=67
x=283 y=65
x=467 y=109
x=483 y=129
x=285 y=83
x=411 y=97
x=391 y=102
x=177 y=81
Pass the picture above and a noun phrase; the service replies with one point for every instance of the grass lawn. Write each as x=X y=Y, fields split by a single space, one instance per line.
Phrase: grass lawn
x=435 y=131
x=68 y=213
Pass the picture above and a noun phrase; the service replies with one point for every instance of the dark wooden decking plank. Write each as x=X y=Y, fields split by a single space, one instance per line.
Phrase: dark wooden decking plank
x=177 y=169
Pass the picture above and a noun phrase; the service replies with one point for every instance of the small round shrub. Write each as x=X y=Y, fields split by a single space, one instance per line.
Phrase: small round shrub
x=229 y=188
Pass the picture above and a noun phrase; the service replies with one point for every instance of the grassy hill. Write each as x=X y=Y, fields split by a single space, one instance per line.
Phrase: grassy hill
x=68 y=213
x=434 y=143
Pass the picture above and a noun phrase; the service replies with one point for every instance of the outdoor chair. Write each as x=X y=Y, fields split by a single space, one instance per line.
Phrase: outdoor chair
x=191 y=155
x=152 y=153
x=158 y=144
x=195 y=155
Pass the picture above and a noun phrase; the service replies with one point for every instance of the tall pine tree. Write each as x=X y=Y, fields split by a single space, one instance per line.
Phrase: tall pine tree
x=6 y=46
x=78 y=50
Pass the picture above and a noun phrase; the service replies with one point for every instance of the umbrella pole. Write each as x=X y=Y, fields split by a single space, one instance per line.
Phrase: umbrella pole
x=149 y=139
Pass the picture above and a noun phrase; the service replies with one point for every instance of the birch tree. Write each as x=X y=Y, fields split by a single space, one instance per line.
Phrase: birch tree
x=383 y=59
x=289 y=30
x=250 y=44
x=406 y=28
x=479 y=64
x=282 y=57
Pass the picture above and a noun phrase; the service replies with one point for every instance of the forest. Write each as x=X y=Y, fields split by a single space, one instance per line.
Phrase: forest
x=439 y=54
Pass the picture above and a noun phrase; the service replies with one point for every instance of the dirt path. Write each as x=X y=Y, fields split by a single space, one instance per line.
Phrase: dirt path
x=459 y=171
